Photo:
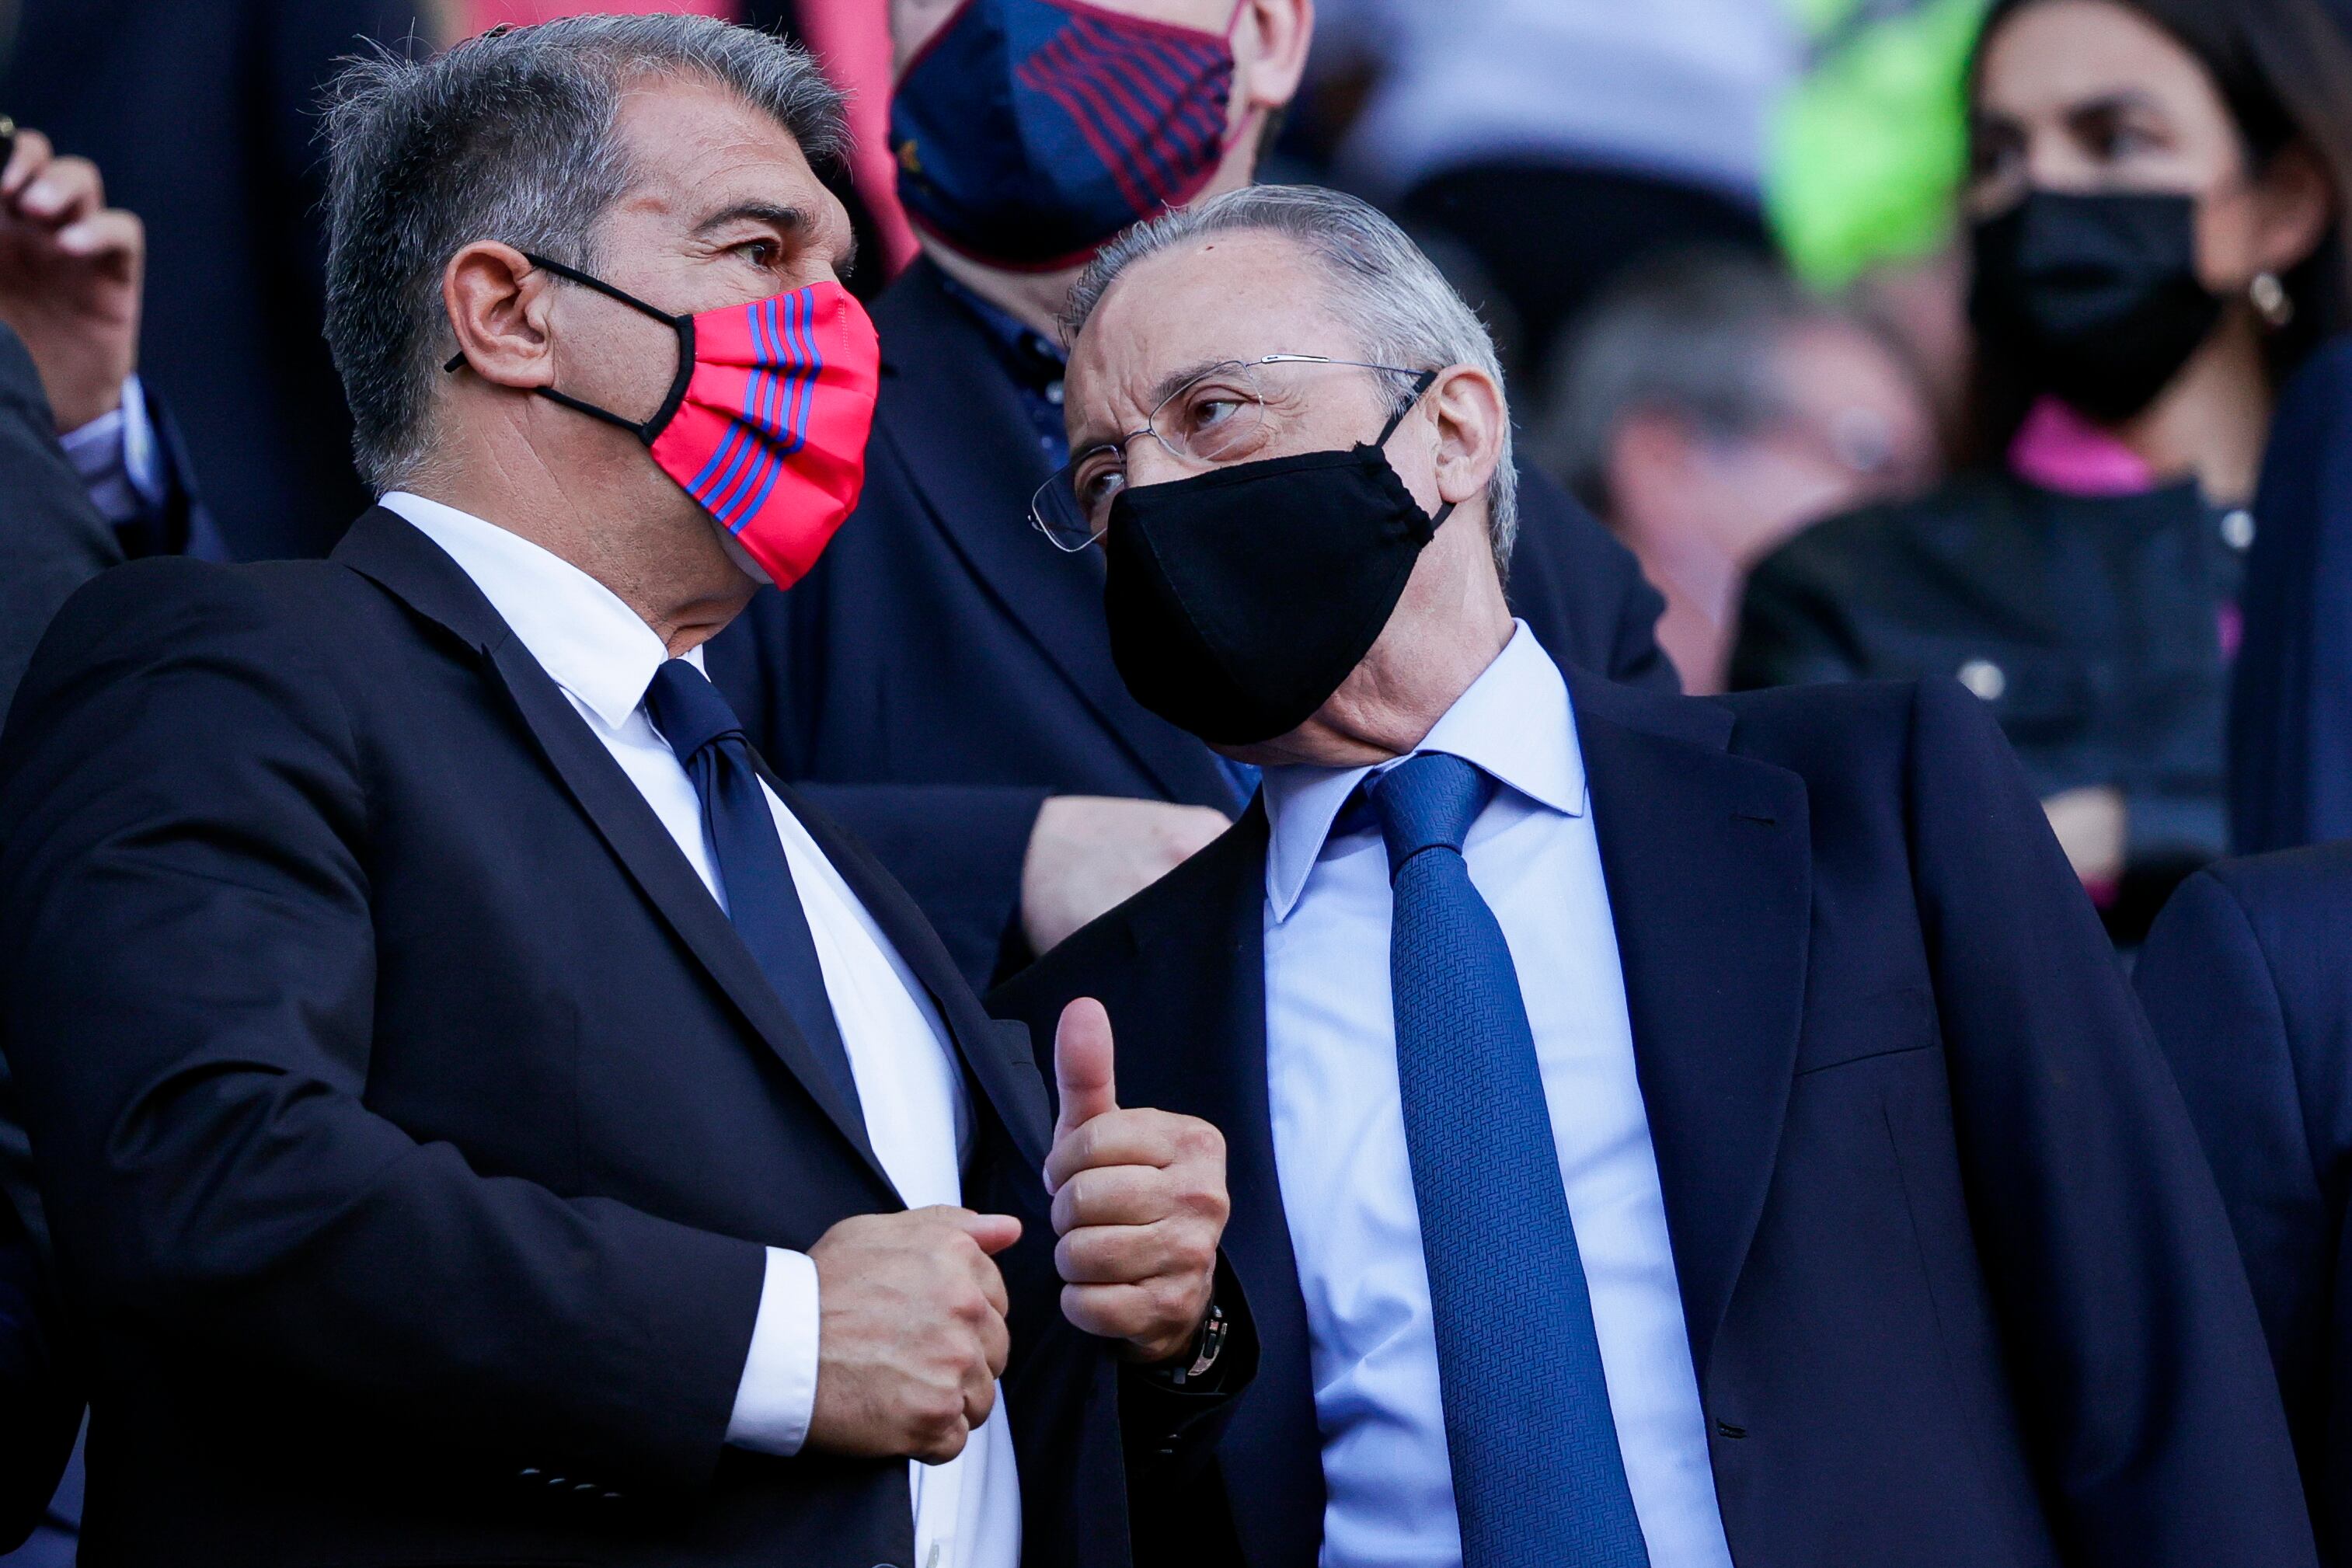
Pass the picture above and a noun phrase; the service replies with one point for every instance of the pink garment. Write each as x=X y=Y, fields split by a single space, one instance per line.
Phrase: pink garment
x=852 y=38
x=2060 y=450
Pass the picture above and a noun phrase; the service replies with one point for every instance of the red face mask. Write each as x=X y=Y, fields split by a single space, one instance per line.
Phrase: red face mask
x=766 y=420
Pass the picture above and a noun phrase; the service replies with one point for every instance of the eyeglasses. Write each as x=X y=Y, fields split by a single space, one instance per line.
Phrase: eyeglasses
x=1228 y=413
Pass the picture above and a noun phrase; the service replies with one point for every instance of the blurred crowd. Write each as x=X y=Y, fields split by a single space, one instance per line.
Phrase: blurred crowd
x=1995 y=339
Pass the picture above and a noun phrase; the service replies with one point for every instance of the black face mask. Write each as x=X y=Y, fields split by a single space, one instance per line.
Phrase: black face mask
x=1239 y=599
x=2093 y=298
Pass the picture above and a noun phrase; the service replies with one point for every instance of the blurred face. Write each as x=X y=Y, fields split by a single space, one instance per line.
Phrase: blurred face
x=2090 y=95
x=912 y=22
x=1269 y=39
x=1854 y=428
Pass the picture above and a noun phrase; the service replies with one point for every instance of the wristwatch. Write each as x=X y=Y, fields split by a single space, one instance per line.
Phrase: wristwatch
x=1206 y=1347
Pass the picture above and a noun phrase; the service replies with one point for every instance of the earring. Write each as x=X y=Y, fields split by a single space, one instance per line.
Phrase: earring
x=2271 y=300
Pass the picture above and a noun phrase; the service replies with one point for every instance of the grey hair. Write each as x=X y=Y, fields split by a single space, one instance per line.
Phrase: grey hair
x=1694 y=336
x=508 y=137
x=1399 y=306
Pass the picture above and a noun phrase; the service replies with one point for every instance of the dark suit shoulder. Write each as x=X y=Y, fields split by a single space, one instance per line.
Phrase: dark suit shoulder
x=1823 y=731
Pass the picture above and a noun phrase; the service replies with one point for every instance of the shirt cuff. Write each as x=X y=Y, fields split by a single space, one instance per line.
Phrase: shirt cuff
x=115 y=455
x=777 y=1397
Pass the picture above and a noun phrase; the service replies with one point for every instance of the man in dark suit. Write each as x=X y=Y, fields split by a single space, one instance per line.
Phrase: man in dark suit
x=2247 y=977
x=2291 y=700
x=90 y=473
x=481 y=1116
x=1662 y=1130
x=204 y=115
x=941 y=681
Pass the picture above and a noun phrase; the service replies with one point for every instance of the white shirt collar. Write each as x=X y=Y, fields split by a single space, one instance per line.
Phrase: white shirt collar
x=1514 y=722
x=588 y=641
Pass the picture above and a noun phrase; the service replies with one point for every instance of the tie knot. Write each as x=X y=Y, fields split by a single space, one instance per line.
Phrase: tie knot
x=1428 y=801
x=687 y=710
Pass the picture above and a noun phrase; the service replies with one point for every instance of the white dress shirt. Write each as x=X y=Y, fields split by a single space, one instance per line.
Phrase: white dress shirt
x=1339 y=1143
x=967 y=1511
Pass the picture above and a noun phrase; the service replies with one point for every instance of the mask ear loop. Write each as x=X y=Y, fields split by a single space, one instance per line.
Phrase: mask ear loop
x=1420 y=385
x=649 y=430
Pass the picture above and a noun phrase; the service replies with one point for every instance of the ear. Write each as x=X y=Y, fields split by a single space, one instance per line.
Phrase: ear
x=1271 y=71
x=2296 y=205
x=499 y=305
x=1467 y=406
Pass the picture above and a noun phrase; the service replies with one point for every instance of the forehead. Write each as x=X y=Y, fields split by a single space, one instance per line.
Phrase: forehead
x=701 y=147
x=1227 y=296
x=913 y=23
x=2057 y=53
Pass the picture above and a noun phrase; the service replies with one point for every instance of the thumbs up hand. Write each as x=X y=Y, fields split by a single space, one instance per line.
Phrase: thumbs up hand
x=1140 y=1201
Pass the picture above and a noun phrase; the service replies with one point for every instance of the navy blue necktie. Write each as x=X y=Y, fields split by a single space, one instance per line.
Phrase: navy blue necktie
x=760 y=898
x=1539 y=1481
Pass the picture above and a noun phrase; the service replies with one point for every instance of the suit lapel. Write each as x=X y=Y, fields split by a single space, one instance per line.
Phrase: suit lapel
x=1012 y=1085
x=382 y=547
x=1707 y=859
x=956 y=425
x=1207 y=1059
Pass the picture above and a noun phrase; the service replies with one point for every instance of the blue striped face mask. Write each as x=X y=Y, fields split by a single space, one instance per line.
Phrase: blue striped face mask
x=1028 y=133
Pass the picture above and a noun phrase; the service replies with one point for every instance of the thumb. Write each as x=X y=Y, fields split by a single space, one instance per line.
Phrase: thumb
x=1082 y=1066
x=991 y=1232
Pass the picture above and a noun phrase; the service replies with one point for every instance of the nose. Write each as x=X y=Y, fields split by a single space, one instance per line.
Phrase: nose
x=1150 y=463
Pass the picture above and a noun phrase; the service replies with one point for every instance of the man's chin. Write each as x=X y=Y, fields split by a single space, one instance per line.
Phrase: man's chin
x=744 y=561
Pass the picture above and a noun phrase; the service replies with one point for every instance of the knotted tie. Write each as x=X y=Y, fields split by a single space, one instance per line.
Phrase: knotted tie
x=1538 y=1478
x=760 y=898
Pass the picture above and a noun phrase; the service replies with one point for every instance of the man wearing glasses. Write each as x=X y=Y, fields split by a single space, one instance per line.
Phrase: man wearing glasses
x=939 y=682
x=1661 y=1130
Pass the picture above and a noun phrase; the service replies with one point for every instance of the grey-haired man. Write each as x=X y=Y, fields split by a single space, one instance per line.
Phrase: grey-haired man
x=482 y=1116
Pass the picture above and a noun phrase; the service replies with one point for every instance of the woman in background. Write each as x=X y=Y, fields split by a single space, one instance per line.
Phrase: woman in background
x=2157 y=213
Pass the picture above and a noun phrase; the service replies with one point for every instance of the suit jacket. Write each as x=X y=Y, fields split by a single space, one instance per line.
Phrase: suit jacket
x=55 y=540
x=943 y=669
x=2248 y=980
x=411 y=1118
x=40 y=1404
x=2291 y=713
x=1957 y=1285
x=202 y=116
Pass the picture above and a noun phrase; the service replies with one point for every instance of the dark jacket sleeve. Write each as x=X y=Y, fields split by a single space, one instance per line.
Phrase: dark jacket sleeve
x=2245 y=985
x=188 y=975
x=2291 y=707
x=2143 y=1384
x=52 y=539
x=1582 y=592
x=40 y=1406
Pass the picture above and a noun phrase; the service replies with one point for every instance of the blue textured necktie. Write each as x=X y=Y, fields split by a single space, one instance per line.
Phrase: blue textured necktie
x=1538 y=1478
x=760 y=898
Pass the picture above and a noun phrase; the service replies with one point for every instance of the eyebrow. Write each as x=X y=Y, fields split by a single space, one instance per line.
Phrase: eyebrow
x=790 y=220
x=1167 y=387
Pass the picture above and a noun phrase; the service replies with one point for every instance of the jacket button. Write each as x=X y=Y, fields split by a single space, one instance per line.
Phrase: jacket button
x=2238 y=529
x=529 y=1473
x=1984 y=678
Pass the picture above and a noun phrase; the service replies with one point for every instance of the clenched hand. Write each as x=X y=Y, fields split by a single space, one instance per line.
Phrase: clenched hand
x=1140 y=1201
